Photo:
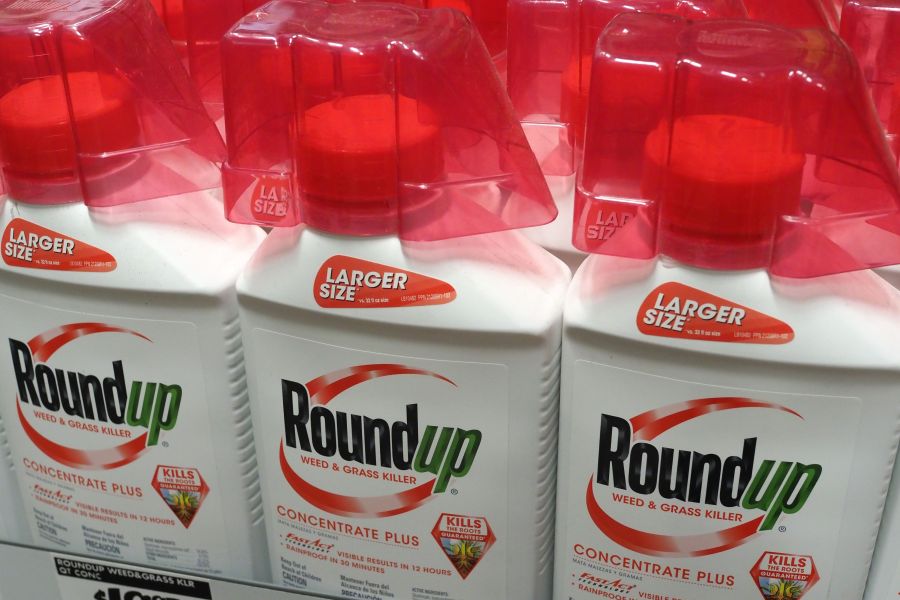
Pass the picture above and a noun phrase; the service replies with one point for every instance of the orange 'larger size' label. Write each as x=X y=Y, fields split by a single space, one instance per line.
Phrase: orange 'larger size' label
x=30 y=246
x=347 y=282
x=676 y=310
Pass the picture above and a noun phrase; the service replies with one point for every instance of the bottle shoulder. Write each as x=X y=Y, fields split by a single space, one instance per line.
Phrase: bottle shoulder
x=180 y=244
x=849 y=320
x=494 y=282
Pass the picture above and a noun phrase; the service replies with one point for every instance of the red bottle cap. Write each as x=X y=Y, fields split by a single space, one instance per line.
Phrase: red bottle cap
x=872 y=30
x=730 y=197
x=85 y=114
x=37 y=112
x=387 y=119
x=797 y=14
x=737 y=163
x=551 y=48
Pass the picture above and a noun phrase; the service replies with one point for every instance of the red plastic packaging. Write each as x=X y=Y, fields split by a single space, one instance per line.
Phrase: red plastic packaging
x=551 y=48
x=872 y=30
x=197 y=27
x=172 y=14
x=489 y=18
x=85 y=113
x=757 y=148
x=797 y=14
x=370 y=120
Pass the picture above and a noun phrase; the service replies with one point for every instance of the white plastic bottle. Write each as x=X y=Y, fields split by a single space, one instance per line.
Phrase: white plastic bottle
x=13 y=527
x=871 y=29
x=729 y=413
x=404 y=379
x=884 y=578
x=124 y=388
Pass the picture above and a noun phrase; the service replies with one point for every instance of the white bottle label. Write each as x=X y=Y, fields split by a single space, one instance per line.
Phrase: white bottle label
x=685 y=491
x=80 y=579
x=386 y=476
x=108 y=423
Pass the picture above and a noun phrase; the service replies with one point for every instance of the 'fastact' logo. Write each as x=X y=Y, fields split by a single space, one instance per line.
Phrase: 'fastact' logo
x=92 y=399
x=628 y=459
x=310 y=426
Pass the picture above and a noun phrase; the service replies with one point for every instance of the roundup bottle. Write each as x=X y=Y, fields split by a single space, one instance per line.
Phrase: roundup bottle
x=123 y=386
x=731 y=372
x=884 y=578
x=13 y=527
x=551 y=48
x=872 y=30
x=404 y=371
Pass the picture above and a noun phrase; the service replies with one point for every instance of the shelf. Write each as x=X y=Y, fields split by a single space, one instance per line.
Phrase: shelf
x=28 y=573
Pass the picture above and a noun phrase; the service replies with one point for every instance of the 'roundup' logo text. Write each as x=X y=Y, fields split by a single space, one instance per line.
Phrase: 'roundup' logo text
x=628 y=459
x=92 y=399
x=440 y=453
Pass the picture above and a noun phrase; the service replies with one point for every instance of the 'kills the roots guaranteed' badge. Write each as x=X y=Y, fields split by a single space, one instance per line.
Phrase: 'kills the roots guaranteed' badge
x=465 y=540
x=781 y=576
x=184 y=491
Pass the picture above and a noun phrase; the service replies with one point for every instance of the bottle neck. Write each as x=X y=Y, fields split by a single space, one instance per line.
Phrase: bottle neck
x=420 y=212
x=120 y=181
x=710 y=271
x=713 y=255
x=351 y=220
x=43 y=192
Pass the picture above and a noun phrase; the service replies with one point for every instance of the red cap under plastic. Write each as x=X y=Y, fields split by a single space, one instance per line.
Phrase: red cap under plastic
x=872 y=30
x=390 y=119
x=738 y=163
x=551 y=48
x=86 y=114
x=37 y=111
x=797 y=14
x=723 y=178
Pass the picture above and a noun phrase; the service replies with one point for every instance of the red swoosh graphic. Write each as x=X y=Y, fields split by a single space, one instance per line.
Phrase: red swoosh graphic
x=323 y=390
x=326 y=388
x=648 y=425
x=45 y=346
x=101 y=460
x=654 y=544
x=351 y=506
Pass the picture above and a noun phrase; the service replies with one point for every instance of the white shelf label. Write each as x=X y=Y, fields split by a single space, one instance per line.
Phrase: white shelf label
x=91 y=580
